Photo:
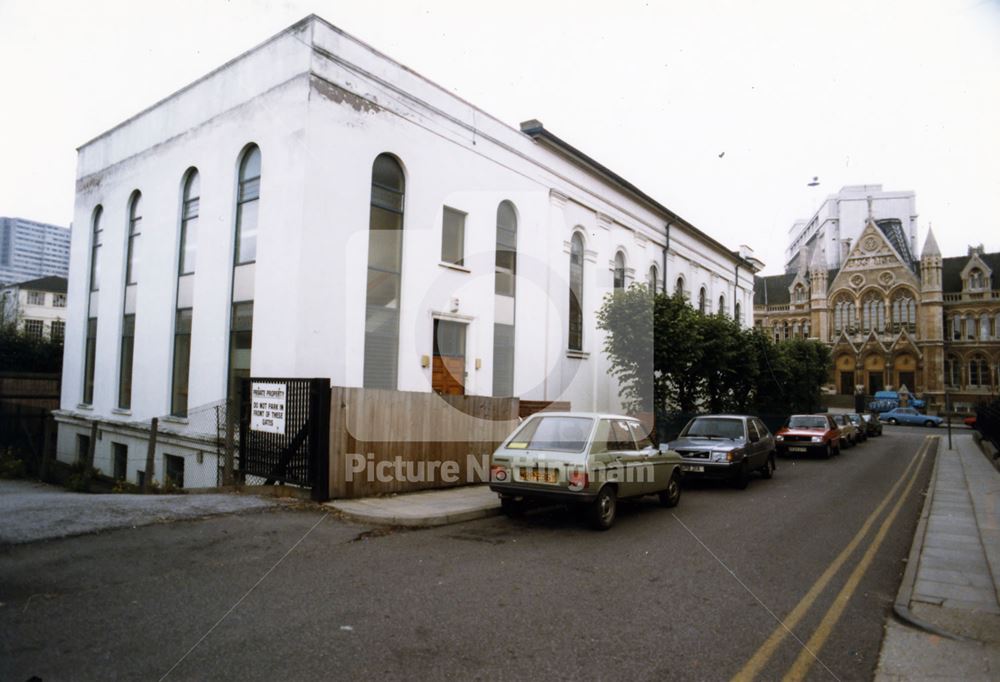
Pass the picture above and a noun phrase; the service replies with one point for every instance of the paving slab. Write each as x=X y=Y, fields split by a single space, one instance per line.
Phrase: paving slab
x=425 y=508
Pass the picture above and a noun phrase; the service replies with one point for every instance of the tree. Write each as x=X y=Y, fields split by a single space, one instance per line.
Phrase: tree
x=22 y=353
x=627 y=317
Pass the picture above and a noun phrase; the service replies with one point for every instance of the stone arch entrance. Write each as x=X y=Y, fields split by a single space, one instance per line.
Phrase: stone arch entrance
x=905 y=370
x=874 y=373
x=846 y=368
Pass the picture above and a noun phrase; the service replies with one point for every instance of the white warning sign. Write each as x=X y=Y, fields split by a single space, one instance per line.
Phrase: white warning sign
x=267 y=407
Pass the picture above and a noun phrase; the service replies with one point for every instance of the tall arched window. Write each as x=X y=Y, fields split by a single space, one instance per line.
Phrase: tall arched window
x=576 y=293
x=738 y=314
x=184 y=313
x=95 y=249
x=970 y=328
x=806 y=329
x=503 y=318
x=956 y=327
x=979 y=373
x=190 y=203
x=976 y=279
x=873 y=313
x=385 y=259
x=653 y=279
x=952 y=371
x=796 y=330
x=984 y=327
x=702 y=300
x=246 y=207
x=134 y=231
x=996 y=327
x=679 y=287
x=619 y=278
x=722 y=305
x=90 y=348
x=904 y=312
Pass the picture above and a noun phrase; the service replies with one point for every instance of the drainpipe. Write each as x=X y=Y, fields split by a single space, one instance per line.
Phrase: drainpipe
x=736 y=289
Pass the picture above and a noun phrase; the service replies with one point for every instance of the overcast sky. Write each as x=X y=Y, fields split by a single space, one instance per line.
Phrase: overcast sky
x=906 y=94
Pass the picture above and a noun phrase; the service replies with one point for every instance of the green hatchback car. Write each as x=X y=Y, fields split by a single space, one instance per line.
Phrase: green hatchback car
x=585 y=460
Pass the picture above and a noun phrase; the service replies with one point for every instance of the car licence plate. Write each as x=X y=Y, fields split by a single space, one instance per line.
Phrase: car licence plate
x=539 y=475
x=796 y=449
x=692 y=467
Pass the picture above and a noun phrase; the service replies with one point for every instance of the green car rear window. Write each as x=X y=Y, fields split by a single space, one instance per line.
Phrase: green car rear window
x=559 y=434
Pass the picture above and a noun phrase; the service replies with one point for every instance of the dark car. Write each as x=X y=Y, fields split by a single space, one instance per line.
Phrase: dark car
x=873 y=427
x=725 y=447
x=809 y=434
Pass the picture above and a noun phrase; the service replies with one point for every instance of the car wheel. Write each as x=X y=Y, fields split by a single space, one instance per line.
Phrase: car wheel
x=511 y=507
x=930 y=422
x=768 y=470
x=742 y=479
x=604 y=508
x=672 y=495
x=893 y=421
x=828 y=452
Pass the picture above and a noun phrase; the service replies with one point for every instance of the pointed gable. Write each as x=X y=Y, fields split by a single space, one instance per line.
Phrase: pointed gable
x=873 y=260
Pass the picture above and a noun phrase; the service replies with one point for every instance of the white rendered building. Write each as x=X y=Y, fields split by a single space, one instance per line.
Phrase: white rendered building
x=314 y=209
x=841 y=217
x=37 y=307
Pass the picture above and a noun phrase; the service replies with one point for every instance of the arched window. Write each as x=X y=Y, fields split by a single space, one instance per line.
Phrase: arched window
x=873 y=313
x=996 y=328
x=979 y=373
x=722 y=305
x=90 y=349
x=737 y=314
x=95 y=249
x=784 y=330
x=702 y=300
x=619 y=279
x=679 y=287
x=653 y=280
x=956 y=327
x=576 y=293
x=246 y=206
x=844 y=315
x=385 y=258
x=976 y=279
x=800 y=294
x=805 y=329
x=952 y=371
x=777 y=331
x=984 y=327
x=190 y=202
x=134 y=230
x=970 y=328
x=904 y=312
x=796 y=330
x=505 y=282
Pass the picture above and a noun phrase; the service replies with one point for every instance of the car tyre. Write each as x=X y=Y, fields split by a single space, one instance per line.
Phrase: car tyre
x=604 y=509
x=892 y=420
x=930 y=422
x=828 y=452
x=672 y=495
x=511 y=507
x=767 y=471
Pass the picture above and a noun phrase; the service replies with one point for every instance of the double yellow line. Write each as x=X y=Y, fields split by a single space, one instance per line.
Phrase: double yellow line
x=811 y=649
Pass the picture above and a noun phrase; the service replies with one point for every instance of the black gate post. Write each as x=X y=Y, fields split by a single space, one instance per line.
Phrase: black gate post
x=319 y=438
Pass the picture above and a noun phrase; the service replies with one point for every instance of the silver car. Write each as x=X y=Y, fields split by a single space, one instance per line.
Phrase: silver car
x=586 y=460
x=726 y=447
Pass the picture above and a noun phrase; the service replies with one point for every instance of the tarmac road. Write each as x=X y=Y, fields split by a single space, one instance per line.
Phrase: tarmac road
x=690 y=593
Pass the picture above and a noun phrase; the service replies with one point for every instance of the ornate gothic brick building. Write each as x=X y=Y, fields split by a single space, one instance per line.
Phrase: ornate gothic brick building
x=930 y=324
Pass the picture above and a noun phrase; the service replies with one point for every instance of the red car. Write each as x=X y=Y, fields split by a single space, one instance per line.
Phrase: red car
x=970 y=422
x=809 y=434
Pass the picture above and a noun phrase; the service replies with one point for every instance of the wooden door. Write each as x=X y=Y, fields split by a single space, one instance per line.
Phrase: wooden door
x=448 y=368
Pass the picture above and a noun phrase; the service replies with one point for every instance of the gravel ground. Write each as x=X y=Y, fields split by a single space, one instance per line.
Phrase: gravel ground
x=32 y=511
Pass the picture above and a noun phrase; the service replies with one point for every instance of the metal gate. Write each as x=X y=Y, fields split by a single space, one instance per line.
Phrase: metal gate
x=284 y=434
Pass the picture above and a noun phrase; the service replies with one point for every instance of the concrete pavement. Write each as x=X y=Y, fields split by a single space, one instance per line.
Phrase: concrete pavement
x=947 y=610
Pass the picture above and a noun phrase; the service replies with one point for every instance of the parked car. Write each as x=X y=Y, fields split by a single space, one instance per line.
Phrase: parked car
x=726 y=447
x=585 y=460
x=859 y=425
x=809 y=434
x=872 y=425
x=908 y=415
x=970 y=421
x=848 y=431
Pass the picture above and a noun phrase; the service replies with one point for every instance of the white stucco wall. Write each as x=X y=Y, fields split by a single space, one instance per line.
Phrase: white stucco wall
x=320 y=116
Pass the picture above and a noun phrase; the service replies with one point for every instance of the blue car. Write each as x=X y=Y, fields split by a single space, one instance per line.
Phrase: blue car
x=908 y=415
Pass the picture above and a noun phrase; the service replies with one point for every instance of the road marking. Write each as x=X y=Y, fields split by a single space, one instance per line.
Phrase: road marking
x=757 y=662
x=802 y=664
x=245 y=595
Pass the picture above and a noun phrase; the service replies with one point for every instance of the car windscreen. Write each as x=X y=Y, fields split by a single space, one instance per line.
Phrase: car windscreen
x=807 y=422
x=714 y=427
x=560 y=434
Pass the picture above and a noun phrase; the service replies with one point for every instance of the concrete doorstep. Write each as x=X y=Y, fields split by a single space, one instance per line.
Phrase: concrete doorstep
x=423 y=509
x=947 y=611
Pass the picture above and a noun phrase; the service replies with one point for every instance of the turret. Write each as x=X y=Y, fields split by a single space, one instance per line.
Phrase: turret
x=931 y=320
x=818 y=303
